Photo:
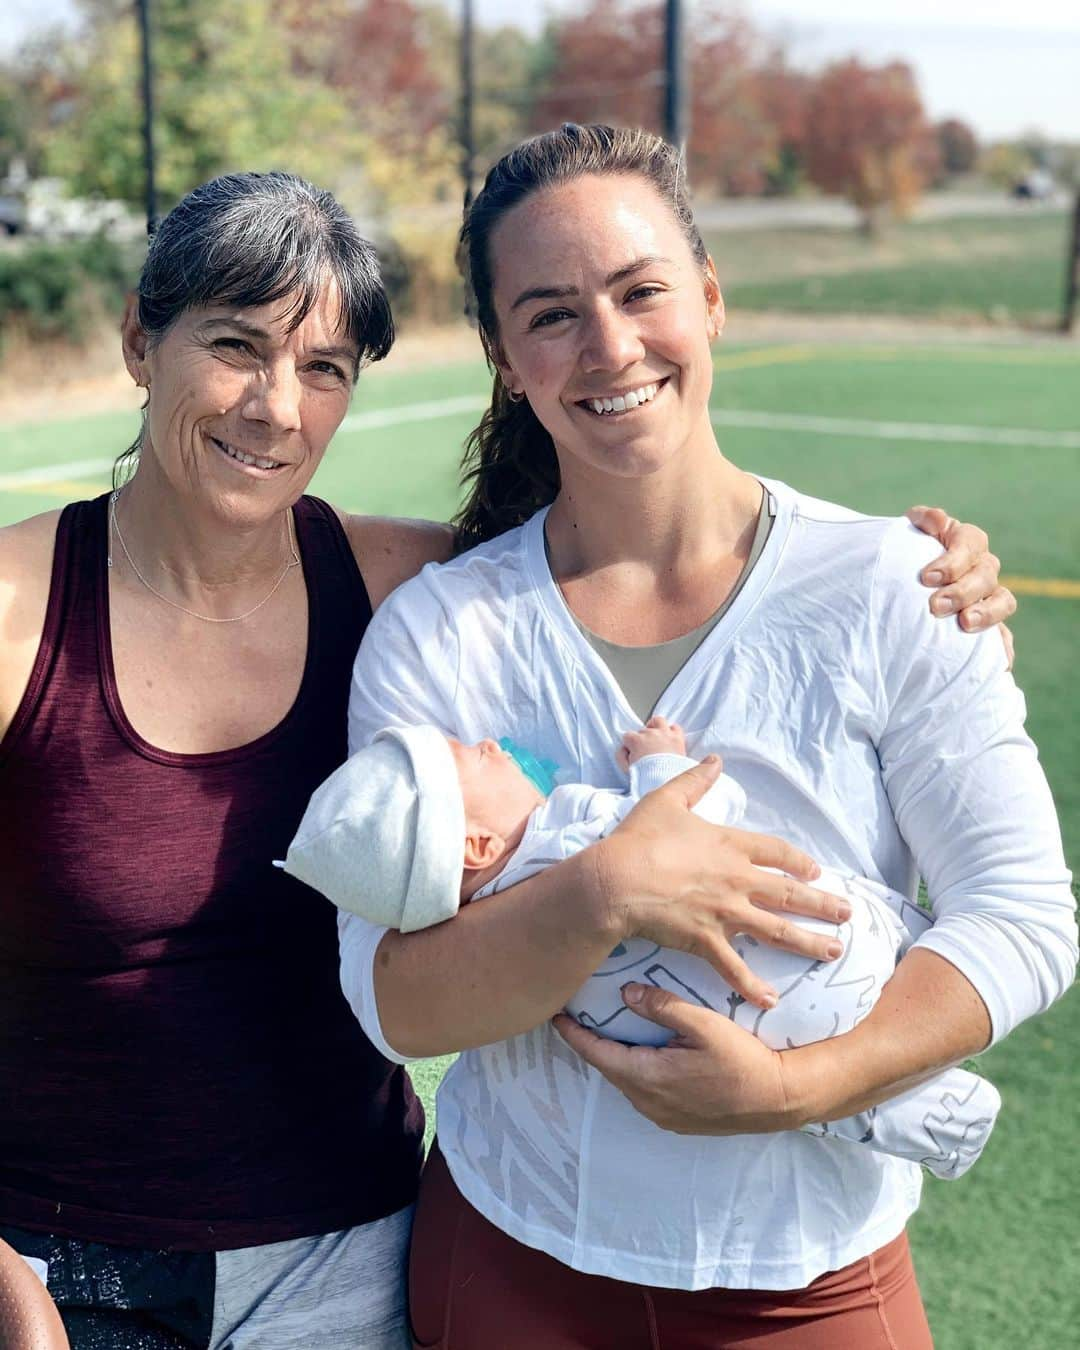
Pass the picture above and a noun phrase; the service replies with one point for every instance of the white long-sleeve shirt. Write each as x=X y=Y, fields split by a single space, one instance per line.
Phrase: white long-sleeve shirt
x=880 y=740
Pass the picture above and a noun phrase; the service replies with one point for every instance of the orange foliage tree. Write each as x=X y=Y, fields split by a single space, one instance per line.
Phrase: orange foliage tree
x=374 y=54
x=606 y=65
x=867 y=137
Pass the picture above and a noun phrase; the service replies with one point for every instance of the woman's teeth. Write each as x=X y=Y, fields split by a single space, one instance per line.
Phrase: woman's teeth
x=245 y=458
x=624 y=402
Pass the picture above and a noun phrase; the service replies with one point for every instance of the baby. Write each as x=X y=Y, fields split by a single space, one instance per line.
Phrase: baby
x=417 y=823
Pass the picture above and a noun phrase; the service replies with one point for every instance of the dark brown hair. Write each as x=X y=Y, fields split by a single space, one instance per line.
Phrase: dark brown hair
x=509 y=467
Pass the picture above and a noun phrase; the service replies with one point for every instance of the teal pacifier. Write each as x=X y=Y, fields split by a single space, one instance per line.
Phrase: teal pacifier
x=540 y=772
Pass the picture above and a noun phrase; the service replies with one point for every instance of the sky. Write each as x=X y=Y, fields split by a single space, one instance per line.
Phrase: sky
x=1005 y=66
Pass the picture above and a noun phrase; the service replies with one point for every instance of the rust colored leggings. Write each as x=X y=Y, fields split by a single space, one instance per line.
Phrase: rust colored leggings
x=473 y=1288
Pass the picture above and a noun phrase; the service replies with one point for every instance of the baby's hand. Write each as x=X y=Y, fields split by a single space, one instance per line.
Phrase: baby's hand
x=657 y=737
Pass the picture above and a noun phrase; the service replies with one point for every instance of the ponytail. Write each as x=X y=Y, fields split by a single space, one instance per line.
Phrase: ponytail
x=509 y=470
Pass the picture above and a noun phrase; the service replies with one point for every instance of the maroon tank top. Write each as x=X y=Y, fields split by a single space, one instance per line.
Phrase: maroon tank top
x=178 y=1066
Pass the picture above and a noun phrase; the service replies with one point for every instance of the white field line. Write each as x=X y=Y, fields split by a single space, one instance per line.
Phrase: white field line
x=416 y=412
x=897 y=431
x=55 y=473
x=435 y=409
x=735 y=417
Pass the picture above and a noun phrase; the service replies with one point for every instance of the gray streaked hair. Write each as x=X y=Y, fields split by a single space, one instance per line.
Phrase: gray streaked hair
x=250 y=239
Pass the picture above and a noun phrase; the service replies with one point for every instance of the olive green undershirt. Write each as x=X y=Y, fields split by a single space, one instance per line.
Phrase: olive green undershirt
x=643 y=673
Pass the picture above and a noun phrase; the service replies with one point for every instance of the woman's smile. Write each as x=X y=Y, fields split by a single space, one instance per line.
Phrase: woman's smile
x=618 y=404
x=246 y=460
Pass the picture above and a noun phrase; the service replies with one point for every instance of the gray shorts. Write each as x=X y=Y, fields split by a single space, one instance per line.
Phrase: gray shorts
x=340 y=1291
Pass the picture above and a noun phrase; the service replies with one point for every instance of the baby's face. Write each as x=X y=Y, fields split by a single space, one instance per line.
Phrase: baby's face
x=497 y=794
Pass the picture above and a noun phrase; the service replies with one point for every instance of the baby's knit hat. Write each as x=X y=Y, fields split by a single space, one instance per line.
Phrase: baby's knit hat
x=384 y=836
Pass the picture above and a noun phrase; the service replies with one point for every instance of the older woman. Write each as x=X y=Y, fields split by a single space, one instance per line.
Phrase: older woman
x=624 y=567
x=195 y=1134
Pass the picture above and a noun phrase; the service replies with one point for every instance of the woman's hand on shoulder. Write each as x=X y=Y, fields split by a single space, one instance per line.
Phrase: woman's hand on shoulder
x=26 y=553
x=390 y=550
x=712 y=1077
x=675 y=879
x=965 y=576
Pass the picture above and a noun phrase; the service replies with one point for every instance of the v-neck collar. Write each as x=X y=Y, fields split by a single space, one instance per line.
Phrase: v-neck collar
x=559 y=615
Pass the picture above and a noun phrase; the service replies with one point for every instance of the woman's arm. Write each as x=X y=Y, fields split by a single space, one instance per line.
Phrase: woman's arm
x=26 y=554
x=495 y=971
x=389 y=550
x=503 y=966
x=972 y=801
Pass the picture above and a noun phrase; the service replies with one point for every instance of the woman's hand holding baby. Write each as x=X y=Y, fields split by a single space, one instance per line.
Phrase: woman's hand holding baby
x=712 y=1077
x=681 y=882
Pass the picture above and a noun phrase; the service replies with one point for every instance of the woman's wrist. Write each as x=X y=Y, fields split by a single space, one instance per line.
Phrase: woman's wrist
x=815 y=1083
x=602 y=888
x=886 y=1054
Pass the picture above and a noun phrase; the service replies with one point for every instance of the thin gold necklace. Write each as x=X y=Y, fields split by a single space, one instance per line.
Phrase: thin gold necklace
x=114 y=525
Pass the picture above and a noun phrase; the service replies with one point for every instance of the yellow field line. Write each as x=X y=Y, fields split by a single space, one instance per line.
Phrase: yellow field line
x=1057 y=588
x=765 y=356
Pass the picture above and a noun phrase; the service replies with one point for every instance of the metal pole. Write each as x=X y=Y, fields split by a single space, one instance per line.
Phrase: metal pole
x=1072 y=274
x=468 y=149
x=143 y=11
x=674 y=75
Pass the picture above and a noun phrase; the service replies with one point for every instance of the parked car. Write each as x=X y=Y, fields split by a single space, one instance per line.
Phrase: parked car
x=52 y=214
x=1036 y=185
x=12 y=214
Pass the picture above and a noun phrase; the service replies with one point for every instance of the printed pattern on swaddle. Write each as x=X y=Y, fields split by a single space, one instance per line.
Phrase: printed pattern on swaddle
x=817 y=999
x=942 y=1125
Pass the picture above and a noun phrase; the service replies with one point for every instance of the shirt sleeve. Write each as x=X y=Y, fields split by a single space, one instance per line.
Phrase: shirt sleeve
x=406 y=670
x=404 y=675
x=969 y=795
x=723 y=804
x=358 y=942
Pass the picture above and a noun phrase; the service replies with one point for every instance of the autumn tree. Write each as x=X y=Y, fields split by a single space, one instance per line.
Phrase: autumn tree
x=376 y=55
x=745 y=103
x=867 y=138
x=958 y=146
x=604 y=66
x=733 y=144
x=782 y=94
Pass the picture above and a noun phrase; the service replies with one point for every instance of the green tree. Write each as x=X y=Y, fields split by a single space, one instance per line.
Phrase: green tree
x=226 y=98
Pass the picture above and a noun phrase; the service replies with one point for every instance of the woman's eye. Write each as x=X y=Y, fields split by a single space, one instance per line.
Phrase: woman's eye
x=232 y=344
x=644 y=292
x=549 y=317
x=328 y=368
